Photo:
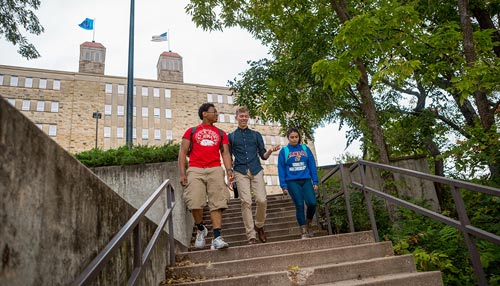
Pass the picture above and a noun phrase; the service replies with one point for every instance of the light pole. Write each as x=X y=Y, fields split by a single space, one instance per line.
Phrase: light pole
x=97 y=115
x=130 y=76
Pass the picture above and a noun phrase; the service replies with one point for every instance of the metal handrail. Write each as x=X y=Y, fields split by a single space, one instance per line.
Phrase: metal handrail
x=133 y=227
x=463 y=223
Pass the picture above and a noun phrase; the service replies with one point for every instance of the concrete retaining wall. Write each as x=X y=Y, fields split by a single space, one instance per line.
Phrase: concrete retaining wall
x=56 y=215
x=137 y=182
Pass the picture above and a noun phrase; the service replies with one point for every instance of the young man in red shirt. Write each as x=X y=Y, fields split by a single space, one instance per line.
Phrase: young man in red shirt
x=204 y=178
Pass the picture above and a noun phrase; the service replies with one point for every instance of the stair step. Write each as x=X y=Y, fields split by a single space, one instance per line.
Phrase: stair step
x=407 y=279
x=341 y=260
x=275 y=248
x=326 y=273
x=237 y=212
x=238 y=217
x=306 y=258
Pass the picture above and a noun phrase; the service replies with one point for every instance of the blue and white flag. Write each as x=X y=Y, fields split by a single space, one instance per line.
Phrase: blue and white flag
x=87 y=24
x=160 y=38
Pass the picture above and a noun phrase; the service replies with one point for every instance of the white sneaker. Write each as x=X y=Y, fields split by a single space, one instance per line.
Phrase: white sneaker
x=219 y=243
x=200 y=238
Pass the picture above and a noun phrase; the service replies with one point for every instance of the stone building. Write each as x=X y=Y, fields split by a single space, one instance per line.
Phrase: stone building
x=65 y=104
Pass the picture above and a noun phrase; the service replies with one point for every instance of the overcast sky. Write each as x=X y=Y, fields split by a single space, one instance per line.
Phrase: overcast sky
x=210 y=58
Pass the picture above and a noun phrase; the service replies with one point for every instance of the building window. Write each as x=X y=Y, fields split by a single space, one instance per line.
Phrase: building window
x=109 y=88
x=134 y=111
x=134 y=133
x=275 y=159
x=220 y=98
x=26 y=105
x=107 y=109
x=40 y=106
x=134 y=90
x=54 y=106
x=121 y=89
x=119 y=132
x=144 y=91
x=144 y=112
x=222 y=118
x=264 y=139
x=107 y=132
x=28 y=82
x=230 y=99
x=52 y=130
x=168 y=113
x=167 y=93
x=170 y=135
x=210 y=97
x=156 y=92
x=157 y=134
x=119 y=110
x=282 y=141
x=231 y=118
x=42 y=84
x=1 y=79
x=12 y=101
x=56 y=85
x=13 y=80
x=252 y=121
x=156 y=112
x=273 y=140
x=145 y=134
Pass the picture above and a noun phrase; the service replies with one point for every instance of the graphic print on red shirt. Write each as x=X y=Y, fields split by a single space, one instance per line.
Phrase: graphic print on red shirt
x=205 y=153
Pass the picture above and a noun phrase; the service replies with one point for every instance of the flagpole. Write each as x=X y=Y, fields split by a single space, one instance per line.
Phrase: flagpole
x=169 y=37
x=93 y=32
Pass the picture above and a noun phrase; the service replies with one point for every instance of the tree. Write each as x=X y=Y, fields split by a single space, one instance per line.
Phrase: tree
x=17 y=14
x=359 y=63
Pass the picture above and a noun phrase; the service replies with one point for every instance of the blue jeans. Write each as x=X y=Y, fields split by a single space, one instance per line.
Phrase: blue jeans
x=302 y=191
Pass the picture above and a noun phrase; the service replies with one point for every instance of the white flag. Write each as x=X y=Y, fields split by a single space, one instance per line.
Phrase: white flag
x=160 y=38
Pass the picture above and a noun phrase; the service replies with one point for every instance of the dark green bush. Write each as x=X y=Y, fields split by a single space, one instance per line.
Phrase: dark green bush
x=125 y=156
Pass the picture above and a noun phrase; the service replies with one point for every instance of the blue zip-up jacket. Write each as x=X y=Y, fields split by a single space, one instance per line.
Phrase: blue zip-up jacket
x=300 y=164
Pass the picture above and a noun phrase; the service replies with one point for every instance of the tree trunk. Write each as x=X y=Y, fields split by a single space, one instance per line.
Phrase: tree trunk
x=370 y=113
x=485 y=110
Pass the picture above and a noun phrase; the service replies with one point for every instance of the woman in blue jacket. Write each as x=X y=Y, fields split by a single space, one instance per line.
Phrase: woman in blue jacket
x=298 y=177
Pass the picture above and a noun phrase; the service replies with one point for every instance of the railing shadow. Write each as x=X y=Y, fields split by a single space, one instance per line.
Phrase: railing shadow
x=133 y=227
x=469 y=232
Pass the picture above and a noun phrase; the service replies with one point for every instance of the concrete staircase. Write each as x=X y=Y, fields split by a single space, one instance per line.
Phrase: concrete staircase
x=345 y=259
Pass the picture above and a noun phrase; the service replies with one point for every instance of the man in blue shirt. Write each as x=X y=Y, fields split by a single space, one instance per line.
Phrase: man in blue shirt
x=247 y=146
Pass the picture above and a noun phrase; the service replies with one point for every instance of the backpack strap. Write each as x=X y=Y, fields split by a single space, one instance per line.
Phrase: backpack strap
x=193 y=129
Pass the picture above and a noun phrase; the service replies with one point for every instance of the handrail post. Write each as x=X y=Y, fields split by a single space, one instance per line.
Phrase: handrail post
x=346 y=198
x=170 y=201
x=469 y=239
x=327 y=210
x=368 y=199
x=137 y=246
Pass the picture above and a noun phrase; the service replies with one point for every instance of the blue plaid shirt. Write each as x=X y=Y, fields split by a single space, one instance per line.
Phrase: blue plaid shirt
x=245 y=145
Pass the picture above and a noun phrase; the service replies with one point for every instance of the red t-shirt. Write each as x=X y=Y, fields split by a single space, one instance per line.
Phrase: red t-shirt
x=205 y=151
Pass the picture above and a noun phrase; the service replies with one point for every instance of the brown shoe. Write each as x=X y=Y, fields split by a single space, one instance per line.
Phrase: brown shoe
x=260 y=232
x=252 y=241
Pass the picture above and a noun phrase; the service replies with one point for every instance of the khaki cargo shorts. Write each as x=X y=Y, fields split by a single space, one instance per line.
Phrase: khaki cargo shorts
x=205 y=185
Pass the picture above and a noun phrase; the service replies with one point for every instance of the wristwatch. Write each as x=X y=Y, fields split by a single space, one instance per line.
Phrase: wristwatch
x=231 y=169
